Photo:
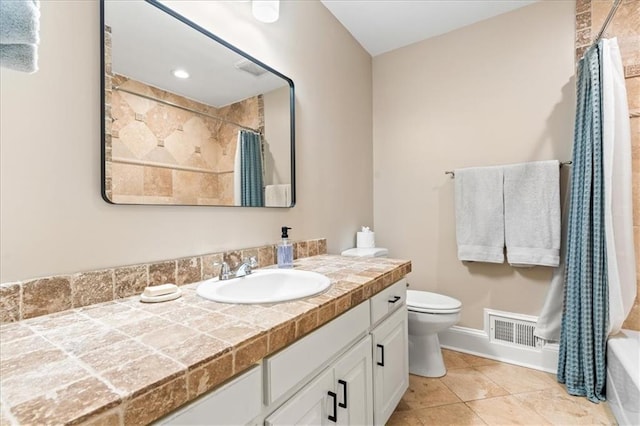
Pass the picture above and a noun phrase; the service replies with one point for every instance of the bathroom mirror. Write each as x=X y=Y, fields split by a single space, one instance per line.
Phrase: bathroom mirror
x=187 y=118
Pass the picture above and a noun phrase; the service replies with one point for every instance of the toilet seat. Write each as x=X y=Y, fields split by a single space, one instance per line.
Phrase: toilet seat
x=432 y=303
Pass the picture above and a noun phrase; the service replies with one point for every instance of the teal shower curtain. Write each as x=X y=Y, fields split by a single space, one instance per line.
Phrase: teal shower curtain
x=251 y=179
x=583 y=337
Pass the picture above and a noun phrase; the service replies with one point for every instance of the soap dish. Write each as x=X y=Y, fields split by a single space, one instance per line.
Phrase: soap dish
x=161 y=298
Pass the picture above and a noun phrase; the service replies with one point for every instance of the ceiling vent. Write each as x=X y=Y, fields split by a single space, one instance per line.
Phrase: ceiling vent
x=248 y=66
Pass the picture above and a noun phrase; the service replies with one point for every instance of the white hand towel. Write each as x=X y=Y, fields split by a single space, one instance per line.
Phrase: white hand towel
x=532 y=213
x=479 y=214
x=277 y=195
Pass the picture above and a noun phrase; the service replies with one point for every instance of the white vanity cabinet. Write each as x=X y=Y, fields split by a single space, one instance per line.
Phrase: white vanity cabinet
x=341 y=394
x=235 y=403
x=293 y=365
x=354 y=389
x=390 y=364
x=351 y=371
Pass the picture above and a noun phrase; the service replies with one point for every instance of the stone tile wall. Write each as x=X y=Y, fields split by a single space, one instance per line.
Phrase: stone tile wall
x=42 y=296
x=590 y=16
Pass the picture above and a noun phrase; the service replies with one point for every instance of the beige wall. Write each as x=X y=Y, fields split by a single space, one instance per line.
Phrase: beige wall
x=52 y=218
x=499 y=91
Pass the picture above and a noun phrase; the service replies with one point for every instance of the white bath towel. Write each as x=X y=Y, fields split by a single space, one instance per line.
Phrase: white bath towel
x=532 y=213
x=479 y=214
x=277 y=195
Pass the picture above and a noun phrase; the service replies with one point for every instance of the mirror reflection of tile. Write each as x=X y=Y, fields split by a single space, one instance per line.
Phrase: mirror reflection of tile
x=163 y=154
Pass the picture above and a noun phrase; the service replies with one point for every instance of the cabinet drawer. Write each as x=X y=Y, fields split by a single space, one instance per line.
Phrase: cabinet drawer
x=236 y=403
x=287 y=368
x=388 y=300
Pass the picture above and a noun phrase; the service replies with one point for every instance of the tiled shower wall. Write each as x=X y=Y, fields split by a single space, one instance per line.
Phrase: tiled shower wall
x=48 y=295
x=590 y=16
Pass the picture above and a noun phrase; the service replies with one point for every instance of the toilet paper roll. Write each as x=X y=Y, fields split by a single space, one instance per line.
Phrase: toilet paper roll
x=366 y=240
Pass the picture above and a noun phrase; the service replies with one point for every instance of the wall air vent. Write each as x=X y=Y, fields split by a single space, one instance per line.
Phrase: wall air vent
x=513 y=330
x=248 y=66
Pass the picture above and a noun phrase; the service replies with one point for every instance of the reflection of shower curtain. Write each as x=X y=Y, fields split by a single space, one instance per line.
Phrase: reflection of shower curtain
x=251 y=180
x=583 y=337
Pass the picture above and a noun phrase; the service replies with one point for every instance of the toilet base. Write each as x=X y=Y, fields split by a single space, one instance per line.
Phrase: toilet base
x=425 y=356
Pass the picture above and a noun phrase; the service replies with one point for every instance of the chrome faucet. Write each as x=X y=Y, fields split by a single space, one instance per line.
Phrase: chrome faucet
x=242 y=270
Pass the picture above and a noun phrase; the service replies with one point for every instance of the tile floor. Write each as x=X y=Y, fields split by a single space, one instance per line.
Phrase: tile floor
x=480 y=391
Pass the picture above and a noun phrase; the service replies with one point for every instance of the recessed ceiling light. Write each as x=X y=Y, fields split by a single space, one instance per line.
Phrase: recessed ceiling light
x=180 y=73
x=266 y=11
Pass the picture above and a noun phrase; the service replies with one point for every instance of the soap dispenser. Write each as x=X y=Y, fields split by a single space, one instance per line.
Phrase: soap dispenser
x=285 y=250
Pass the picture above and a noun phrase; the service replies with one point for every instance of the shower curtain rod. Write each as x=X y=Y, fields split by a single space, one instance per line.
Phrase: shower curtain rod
x=607 y=21
x=171 y=104
x=452 y=173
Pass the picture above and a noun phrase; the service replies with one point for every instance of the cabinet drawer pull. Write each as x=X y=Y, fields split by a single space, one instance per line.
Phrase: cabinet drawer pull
x=333 y=395
x=344 y=394
x=381 y=362
x=394 y=299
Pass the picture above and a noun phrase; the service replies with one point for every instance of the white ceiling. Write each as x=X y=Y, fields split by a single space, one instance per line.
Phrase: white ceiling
x=384 y=25
x=147 y=44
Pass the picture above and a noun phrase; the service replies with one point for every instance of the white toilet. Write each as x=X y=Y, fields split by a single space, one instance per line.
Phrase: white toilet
x=429 y=314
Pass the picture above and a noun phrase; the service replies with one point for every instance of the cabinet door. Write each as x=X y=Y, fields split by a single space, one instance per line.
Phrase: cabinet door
x=311 y=406
x=353 y=384
x=390 y=364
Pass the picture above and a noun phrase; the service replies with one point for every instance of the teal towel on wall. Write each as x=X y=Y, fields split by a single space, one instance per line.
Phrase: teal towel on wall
x=19 y=57
x=19 y=34
x=583 y=337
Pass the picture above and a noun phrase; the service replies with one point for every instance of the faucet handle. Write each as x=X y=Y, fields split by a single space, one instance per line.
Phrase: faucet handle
x=252 y=261
x=225 y=270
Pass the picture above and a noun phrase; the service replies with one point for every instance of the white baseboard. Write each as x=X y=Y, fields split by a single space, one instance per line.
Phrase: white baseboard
x=476 y=342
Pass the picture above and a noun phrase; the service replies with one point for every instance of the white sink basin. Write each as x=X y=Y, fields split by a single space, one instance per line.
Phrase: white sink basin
x=265 y=286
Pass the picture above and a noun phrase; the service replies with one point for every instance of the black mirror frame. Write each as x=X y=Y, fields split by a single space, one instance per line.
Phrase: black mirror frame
x=212 y=36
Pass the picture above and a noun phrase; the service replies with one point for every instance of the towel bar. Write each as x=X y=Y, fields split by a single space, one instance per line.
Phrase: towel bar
x=452 y=173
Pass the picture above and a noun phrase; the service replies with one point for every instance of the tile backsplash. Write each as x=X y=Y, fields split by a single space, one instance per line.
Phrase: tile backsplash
x=42 y=296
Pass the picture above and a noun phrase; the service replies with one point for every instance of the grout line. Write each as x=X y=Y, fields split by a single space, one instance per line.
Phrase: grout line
x=486 y=422
x=5 y=411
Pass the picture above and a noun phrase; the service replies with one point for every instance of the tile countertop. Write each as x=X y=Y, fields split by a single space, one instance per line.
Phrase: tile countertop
x=127 y=362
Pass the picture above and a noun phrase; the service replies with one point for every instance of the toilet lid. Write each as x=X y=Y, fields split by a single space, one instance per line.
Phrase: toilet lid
x=366 y=252
x=424 y=301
